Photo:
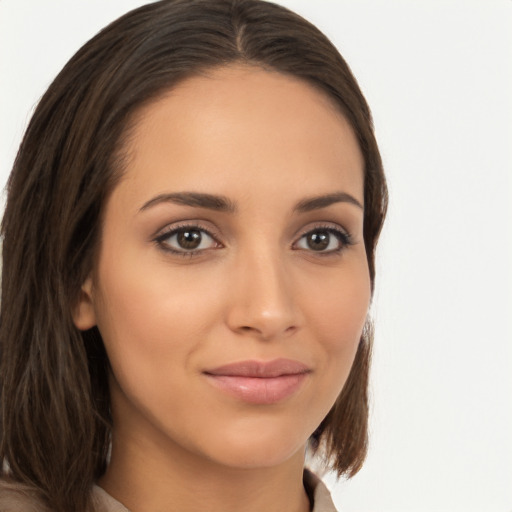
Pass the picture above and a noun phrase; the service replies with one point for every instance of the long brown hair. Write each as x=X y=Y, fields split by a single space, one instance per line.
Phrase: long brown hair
x=55 y=420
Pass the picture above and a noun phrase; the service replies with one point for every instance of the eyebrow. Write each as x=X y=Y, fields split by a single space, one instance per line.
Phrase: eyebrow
x=224 y=204
x=200 y=200
x=323 y=201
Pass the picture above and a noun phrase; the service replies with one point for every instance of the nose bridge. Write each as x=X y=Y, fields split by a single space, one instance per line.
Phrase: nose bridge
x=262 y=299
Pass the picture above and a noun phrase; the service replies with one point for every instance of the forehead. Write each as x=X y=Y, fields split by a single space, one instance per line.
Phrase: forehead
x=237 y=125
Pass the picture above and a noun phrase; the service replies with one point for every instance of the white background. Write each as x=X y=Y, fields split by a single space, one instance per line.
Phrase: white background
x=438 y=76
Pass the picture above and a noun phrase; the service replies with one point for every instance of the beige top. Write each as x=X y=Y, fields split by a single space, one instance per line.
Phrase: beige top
x=11 y=501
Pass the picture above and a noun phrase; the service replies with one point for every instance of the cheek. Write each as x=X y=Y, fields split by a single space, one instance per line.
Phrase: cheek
x=337 y=315
x=152 y=327
x=151 y=313
x=340 y=308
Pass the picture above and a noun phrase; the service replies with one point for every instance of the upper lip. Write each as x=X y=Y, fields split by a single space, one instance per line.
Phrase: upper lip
x=260 y=369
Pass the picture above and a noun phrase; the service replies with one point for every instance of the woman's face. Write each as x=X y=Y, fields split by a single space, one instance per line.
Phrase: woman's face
x=232 y=282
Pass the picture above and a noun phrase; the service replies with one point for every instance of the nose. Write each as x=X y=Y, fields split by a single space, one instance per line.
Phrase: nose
x=263 y=302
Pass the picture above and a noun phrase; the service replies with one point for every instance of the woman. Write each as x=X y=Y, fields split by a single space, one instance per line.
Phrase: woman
x=188 y=263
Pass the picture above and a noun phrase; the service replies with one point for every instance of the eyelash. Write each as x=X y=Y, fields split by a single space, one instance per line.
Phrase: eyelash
x=344 y=238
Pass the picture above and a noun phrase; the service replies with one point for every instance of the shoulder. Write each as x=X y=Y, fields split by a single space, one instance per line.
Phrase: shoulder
x=15 y=497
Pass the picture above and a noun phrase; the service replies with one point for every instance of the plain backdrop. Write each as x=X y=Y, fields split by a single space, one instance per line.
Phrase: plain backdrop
x=438 y=76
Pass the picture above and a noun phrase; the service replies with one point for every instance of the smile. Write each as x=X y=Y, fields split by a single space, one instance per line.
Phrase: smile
x=261 y=383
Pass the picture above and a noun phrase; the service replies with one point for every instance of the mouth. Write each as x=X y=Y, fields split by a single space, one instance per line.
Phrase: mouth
x=258 y=382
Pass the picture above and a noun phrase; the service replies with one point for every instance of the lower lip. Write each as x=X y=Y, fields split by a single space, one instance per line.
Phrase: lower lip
x=259 y=390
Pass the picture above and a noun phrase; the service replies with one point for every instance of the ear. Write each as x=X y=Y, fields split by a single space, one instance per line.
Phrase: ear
x=84 y=315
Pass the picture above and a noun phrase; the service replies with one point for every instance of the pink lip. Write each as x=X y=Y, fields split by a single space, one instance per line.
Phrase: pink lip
x=259 y=382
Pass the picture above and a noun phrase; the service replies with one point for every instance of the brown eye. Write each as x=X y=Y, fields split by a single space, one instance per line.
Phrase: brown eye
x=318 y=241
x=324 y=240
x=189 y=238
x=186 y=240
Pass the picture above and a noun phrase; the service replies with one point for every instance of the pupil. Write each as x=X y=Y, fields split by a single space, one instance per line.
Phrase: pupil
x=318 y=241
x=189 y=239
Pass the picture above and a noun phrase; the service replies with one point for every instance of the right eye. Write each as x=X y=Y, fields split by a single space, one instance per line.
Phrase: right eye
x=186 y=240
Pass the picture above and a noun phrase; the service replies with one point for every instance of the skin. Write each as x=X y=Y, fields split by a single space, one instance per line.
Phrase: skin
x=255 y=290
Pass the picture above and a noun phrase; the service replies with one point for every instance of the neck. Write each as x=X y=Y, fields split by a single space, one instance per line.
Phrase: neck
x=144 y=475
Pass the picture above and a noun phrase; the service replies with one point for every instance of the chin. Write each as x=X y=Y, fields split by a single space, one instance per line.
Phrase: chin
x=258 y=448
x=249 y=458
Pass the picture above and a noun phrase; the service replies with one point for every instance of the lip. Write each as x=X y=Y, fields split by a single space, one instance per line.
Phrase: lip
x=259 y=382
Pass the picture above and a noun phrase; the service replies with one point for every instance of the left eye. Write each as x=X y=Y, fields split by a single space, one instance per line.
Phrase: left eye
x=323 y=240
x=187 y=239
